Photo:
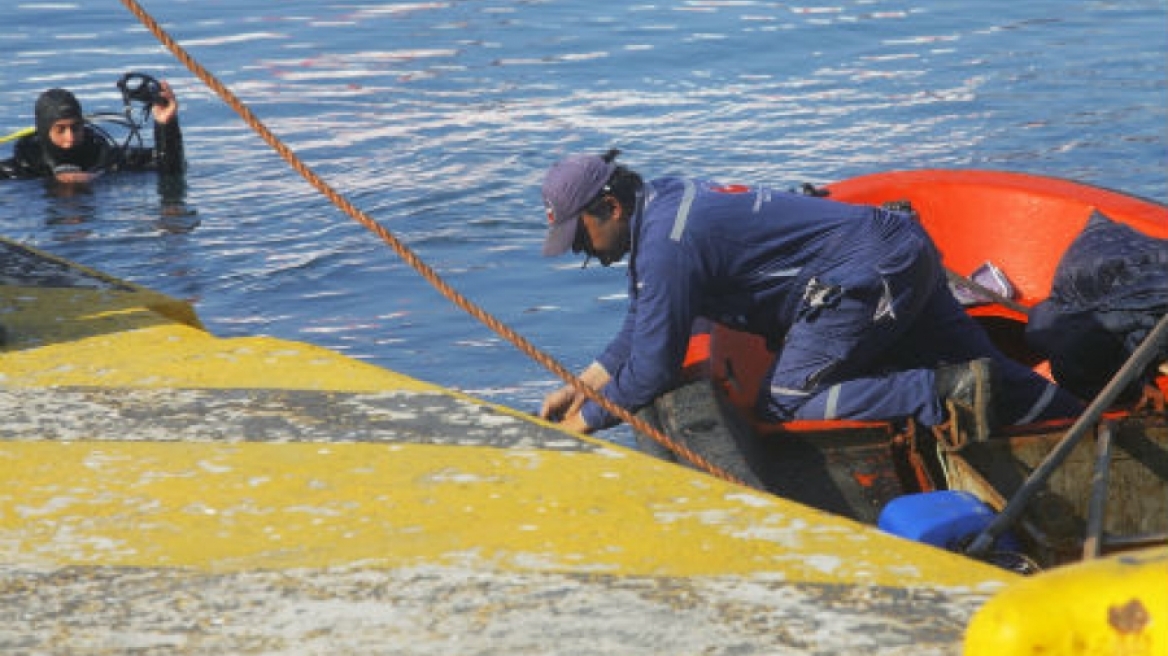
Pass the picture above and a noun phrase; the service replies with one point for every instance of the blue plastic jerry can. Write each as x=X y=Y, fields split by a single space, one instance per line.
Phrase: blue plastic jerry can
x=946 y=518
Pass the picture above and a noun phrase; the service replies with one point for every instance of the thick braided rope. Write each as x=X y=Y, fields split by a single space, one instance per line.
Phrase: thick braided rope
x=408 y=255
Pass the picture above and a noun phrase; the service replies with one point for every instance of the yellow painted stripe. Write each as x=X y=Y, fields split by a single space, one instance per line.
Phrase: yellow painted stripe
x=138 y=338
x=175 y=355
x=246 y=506
x=232 y=507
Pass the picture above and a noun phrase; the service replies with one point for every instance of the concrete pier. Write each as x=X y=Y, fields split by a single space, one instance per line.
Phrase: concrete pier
x=165 y=491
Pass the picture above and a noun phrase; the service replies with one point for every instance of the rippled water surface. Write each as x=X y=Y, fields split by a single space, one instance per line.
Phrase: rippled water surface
x=438 y=119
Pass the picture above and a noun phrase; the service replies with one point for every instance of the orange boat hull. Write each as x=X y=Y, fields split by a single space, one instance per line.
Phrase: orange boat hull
x=1022 y=223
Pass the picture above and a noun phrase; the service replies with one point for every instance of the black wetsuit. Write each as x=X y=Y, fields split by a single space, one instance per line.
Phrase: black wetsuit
x=96 y=152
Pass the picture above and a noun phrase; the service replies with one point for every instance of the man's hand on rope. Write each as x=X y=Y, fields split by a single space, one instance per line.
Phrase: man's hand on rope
x=563 y=405
x=560 y=403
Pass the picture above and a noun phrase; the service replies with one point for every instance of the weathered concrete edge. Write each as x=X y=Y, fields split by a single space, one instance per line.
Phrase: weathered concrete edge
x=114 y=343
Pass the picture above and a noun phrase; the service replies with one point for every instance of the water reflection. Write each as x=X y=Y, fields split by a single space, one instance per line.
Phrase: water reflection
x=81 y=206
x=69 y=208
x=175 y=216
x=439 y=118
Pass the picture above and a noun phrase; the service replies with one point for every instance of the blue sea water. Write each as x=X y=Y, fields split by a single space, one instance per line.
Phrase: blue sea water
x=439 y=118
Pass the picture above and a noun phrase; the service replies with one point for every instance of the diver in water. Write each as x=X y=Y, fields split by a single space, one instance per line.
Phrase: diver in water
x=71 y=150
x=67 y=147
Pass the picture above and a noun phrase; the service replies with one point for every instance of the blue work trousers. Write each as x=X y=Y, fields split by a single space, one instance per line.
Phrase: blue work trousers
x=868 y=338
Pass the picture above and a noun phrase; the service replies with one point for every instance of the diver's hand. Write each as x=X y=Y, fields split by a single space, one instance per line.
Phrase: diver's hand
x=74 y=175
x=167 y=109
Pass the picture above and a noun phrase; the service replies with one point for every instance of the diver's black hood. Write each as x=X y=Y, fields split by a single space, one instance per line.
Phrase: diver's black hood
x=52 y=106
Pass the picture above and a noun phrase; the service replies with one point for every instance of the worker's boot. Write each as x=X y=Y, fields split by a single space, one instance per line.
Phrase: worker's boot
x=966 y=391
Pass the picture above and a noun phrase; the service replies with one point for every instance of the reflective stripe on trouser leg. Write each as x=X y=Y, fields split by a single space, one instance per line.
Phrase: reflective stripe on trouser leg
x=831 y=406
x=830 y=402
x=1039 y=406
x=888 y=396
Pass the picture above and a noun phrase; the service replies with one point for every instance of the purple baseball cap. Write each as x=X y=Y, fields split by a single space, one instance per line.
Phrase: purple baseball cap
x=569 y=186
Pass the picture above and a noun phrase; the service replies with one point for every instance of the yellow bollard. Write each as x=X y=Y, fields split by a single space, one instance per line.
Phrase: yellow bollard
x=1116 y=606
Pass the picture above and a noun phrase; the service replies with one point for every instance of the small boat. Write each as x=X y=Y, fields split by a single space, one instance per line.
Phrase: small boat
x=863 y=470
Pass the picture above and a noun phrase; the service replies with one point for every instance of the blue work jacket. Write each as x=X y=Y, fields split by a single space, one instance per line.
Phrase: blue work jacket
x=739 y=255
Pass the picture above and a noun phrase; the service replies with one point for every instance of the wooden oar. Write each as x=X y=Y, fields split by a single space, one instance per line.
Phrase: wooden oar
x=1135 y=365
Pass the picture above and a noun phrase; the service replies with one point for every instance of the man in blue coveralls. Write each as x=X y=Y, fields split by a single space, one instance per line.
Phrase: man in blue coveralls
x=854 y=299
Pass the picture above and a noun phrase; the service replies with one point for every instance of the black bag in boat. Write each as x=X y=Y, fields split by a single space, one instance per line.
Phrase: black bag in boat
x=1109 y=290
